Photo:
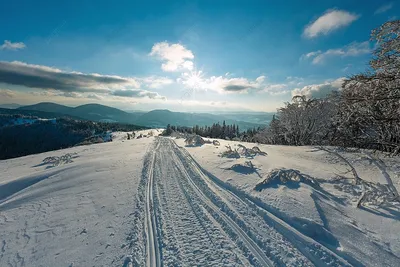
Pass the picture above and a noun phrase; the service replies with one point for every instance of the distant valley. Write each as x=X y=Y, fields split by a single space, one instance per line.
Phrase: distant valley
x=154 y=118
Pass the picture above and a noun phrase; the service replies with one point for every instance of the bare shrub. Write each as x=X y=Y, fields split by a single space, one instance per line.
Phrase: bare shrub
x=285 y=176
x=230 y=153
x=56 y=161
x=216 y=143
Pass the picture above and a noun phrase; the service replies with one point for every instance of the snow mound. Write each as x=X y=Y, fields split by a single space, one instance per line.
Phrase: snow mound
x=290 y=177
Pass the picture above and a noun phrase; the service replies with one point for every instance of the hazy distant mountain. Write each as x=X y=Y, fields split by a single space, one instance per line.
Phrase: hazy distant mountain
x=253 y=117
x=48 y=107
x=97 y=112
x=155 y=118
x=94 y=112
x=10 y=106
x=161 y=118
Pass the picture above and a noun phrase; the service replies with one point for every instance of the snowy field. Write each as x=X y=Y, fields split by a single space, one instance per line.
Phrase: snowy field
x=154 y=201
x=366 y=236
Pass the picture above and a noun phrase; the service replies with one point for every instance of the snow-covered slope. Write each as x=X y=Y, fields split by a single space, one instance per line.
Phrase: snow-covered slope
x=153 y=201
x=74 y=213
x=328 y=214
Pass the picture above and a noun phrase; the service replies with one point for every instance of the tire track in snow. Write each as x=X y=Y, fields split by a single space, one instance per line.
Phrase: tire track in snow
x=190 y=236
x=152 y=245
x=317 y=253
x=225 y=219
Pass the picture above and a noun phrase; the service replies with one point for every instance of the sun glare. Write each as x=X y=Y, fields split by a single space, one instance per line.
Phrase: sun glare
x=194 y=79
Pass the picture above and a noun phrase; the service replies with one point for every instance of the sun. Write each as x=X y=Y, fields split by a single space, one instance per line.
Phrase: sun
x=194 y=79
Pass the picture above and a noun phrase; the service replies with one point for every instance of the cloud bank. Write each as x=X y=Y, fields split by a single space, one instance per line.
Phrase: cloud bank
x=73 y=84
x=351 y=50
x=319 y=90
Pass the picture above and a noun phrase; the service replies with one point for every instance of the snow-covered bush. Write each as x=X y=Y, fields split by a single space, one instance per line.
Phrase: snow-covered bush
x=230 y=153
x=194 y=140
x=289 y=177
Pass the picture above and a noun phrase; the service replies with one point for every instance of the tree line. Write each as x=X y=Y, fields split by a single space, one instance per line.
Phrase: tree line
x=224 y=131
x=42 y=136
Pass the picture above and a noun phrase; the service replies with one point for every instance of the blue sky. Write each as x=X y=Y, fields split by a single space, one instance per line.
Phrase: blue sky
x=183 y=55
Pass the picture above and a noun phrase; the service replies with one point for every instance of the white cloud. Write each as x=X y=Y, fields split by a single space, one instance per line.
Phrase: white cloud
x=234 y=85
x=310 y=54
x=155 y=82
x=328 y=22
x=8 y=45
x=280 y=93
x=260 y=79
x=95 y=96
x=294 y=81
x=274 y=88
x=351 y=50
x=175 y=56
x=72 y=94
x=319 y=90
x=223 y=84
x=5 y=93
x=384 y=8
x=138 y=93
x=188 y=65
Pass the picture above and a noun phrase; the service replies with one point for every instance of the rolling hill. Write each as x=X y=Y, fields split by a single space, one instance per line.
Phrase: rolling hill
x=154 y=118
x=10 y=106
x=93 y=112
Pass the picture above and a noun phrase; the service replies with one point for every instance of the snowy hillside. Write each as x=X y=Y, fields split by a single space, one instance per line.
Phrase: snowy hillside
x=154 y=201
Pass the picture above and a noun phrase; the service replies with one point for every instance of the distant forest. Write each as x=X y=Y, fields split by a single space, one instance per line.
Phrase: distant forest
x=46 y=135
x=224 y=131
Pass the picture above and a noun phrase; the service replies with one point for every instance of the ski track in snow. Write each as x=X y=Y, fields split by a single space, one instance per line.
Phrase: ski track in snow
x=191 y=219
x=152 y=247
x=261 y=222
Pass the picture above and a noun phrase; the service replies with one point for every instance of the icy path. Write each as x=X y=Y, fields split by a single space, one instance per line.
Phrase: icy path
x=201 y=222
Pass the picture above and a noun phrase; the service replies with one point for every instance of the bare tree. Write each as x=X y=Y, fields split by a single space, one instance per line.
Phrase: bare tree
x=370 y=103
x=302 y=122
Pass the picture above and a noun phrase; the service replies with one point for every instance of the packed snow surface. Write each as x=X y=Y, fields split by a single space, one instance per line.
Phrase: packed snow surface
x=154 y=201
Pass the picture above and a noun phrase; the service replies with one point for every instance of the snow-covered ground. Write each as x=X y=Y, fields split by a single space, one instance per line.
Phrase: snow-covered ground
x=153 y=201
x=328 y=214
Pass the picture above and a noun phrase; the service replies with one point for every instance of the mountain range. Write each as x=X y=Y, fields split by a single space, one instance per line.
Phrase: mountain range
x=155 y=118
